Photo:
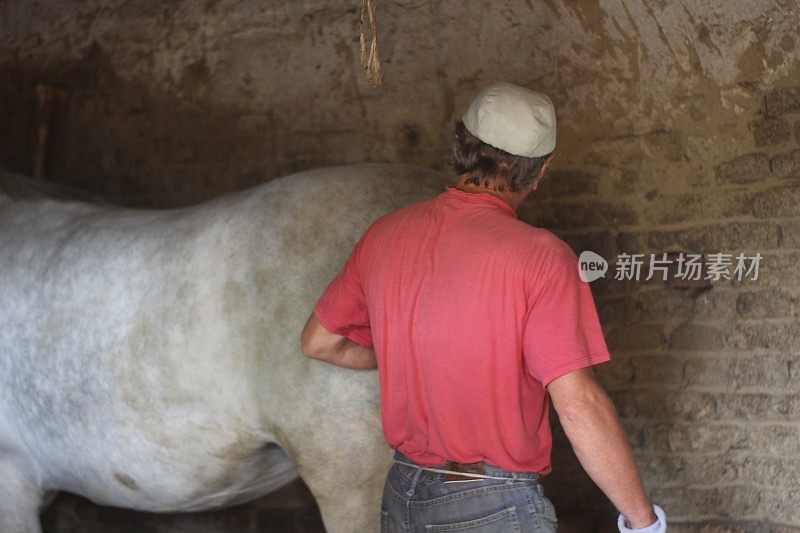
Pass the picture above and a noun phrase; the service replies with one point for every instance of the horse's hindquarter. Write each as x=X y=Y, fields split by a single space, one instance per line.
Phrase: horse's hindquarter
x=148 y=357
x=321 y=214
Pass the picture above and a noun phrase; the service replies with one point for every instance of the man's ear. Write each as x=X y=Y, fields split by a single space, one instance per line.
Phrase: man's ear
x=542 y=171
x=545 y=164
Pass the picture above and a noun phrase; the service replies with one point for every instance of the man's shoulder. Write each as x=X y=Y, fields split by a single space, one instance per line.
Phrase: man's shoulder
x=541 y=240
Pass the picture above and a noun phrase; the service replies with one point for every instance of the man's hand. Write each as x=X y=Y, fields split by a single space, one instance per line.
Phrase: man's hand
x=590 y=421
x=317 y=342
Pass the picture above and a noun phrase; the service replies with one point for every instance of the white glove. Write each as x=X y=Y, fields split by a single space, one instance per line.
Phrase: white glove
x=659 y=526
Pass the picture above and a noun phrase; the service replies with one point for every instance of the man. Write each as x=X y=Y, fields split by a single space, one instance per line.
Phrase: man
x=475 y=318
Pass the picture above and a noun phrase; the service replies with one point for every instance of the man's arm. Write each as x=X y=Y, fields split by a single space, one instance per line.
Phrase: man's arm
x=590 y=421
x=317 y=342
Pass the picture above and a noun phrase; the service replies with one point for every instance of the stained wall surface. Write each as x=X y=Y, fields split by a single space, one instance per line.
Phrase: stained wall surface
x=679 y=131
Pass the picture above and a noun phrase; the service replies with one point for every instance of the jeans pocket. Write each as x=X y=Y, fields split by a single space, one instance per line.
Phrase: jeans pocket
x=505 y=521
x=384 y=520
x=543 y=509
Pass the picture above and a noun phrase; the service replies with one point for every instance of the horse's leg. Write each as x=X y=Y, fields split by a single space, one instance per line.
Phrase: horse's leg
x=21 y=496
x=344 y=461
x=348 y=489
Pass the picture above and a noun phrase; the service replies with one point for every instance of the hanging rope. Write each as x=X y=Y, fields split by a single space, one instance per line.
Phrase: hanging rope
x=371 y=62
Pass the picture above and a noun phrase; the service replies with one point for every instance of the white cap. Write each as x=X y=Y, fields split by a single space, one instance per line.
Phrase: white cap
x=513 y=119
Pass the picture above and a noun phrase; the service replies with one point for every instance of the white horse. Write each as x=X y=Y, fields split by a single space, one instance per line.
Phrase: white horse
x=151 y=359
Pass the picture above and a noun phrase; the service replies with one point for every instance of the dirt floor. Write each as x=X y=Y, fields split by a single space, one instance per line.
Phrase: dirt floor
x=291 y=509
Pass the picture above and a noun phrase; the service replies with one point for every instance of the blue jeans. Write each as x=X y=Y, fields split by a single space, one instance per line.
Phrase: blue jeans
x=417 y=501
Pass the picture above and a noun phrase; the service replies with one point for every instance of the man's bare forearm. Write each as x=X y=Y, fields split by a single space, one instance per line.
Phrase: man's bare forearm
x=352 y=355
x=591 y=424
x=319 y=343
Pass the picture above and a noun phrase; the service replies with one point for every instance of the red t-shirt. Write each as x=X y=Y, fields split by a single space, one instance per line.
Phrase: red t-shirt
x=471 y=312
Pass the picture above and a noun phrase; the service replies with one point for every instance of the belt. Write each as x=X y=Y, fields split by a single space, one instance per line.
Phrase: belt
x=454 y=471
x=457 y=471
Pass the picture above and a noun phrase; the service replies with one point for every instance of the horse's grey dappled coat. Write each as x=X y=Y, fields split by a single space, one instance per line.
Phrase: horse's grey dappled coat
x=150 y=359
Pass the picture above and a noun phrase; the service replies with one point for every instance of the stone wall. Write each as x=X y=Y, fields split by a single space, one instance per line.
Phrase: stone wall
x=679 y=131
x=706 y=378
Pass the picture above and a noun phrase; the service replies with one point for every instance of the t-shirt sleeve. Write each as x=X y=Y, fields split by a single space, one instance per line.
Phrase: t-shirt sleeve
x=342 y=308
x=562 y=330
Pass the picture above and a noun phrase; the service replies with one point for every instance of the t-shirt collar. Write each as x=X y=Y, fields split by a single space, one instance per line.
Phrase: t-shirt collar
x=480 y=198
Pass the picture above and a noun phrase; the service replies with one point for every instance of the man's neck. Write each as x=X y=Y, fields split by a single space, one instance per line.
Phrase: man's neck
x=514 y=199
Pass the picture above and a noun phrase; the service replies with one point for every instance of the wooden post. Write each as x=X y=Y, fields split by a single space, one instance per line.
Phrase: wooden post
x=48 y=99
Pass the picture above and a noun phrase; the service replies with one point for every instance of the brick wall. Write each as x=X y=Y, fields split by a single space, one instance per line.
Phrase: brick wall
x=706 y=380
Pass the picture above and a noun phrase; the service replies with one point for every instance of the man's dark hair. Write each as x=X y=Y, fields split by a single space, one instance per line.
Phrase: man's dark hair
x=487 y=165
